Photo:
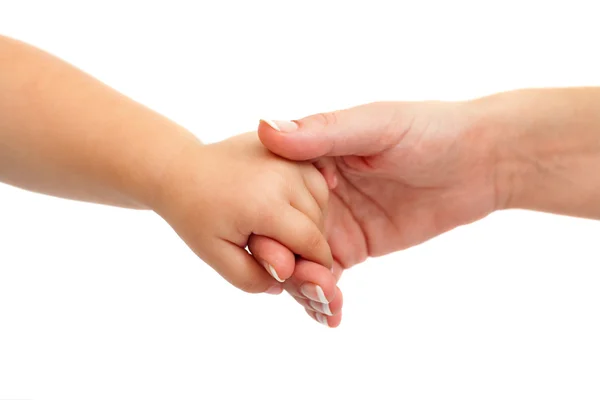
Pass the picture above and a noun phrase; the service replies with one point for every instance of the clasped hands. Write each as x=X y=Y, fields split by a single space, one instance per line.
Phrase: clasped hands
x=313 y=197
x=307 y=198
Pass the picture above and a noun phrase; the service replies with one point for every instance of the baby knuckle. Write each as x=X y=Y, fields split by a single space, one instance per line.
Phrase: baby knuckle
x=323 y=191
x=266 y=214
x=313 y=240
x=276 y=177
x=316 y=184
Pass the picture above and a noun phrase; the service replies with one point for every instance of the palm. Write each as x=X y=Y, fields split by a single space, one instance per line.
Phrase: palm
x=426 y=183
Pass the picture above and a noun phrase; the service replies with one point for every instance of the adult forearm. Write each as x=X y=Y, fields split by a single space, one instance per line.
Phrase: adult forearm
x=66 y=134
x=547 y=148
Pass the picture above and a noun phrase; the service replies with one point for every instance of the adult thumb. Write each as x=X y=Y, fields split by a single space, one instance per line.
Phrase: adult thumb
x=363 y=130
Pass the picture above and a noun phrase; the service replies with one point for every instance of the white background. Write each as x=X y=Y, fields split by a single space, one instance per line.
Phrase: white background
x=103 y=303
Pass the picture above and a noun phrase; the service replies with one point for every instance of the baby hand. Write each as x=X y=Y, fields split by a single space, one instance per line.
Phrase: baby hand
x=216 y=196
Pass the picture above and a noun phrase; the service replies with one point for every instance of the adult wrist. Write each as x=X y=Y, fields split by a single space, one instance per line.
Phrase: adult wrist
x=546 y=148
x=495 y=124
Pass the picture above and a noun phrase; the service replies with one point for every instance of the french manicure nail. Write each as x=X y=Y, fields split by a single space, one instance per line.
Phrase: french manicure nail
x=274 y=273
x=314 y=292
x=320 y=307
x=281 y=126
x=322 y=319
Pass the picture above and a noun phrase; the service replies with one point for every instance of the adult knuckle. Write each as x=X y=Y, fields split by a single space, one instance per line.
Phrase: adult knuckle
x=249 y=286
x=327 y=118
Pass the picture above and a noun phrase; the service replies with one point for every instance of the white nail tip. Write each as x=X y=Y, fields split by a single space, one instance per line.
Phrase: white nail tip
x=274 y=274
x=322 y=319
x=272 y=124
x=321 y=307
x=321 y=295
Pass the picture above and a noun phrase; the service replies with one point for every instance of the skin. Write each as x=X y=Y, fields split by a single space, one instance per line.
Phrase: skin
x=65 y=134
x=404 y=172
x=399 y=173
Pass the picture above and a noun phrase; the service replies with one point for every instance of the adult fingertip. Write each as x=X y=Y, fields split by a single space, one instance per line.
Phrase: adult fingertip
x=281 y=126
x=273 y=272
x=314 y=292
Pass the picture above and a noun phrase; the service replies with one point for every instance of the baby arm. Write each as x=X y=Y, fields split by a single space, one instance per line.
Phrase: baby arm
x=65 y=134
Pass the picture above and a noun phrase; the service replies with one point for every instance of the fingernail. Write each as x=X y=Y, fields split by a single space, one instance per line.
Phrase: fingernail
x=322 y=319
x=314 y=292
x=320 y=307
x=281 y=126
x=275 y=289
x=274 y=273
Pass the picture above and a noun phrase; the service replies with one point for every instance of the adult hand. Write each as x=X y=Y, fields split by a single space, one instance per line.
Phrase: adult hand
x=402 y=172
x=405 y=172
